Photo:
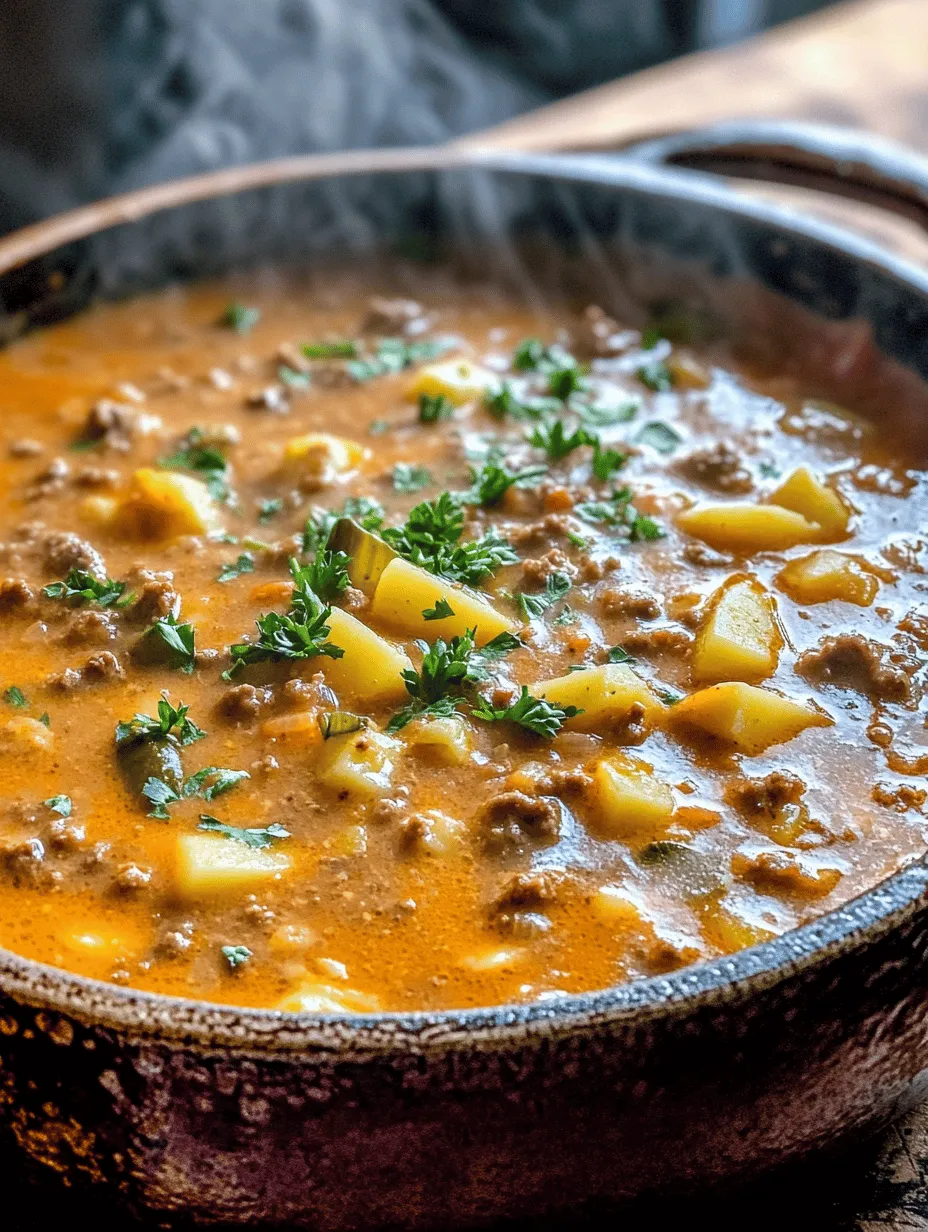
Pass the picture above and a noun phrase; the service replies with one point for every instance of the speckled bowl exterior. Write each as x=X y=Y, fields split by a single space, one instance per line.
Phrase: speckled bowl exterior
x=711 y=1074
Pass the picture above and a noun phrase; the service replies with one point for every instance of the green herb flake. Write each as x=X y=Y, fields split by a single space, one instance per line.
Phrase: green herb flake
x=45 y=719
x=171 y=720
x=532 y=713
x=555 y=441
x=171 y=639
x=82 y=587
x=606 y=461
x=433 y=408
x=341 y=349
x=256 y=837
x=769 y=471
x=236 y=955
x=410 y=477
x=660 y=436
x=293 y=378
x=556 y=587
x=245 y=563
x=240 y=317
x=619 y=513
x=656 y=375
x=617 y=654
x=436 y=687
x=14 y=696
x=431 y=537
x=206 y=461
x=441 y=611
x=59 y=804
x=377 y=427
x=492 y=481
x=268 y=509
x=578 y=541
x=326 y=575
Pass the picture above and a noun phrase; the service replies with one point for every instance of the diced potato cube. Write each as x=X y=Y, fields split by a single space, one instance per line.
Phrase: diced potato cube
x=24 y=735
x=101 y=510
x=739 y=638
x=727 y=931
x=325 y=457
x=604 y=694
x=318 y=998
x=826 y=575
x=349 y=842
x=209 y=864
x=360 y=764
x=612 y=905
x=446 y=740
x=805 y=494
x=687 y=372
x=628 y=801
x=500 y=958
x=300 y=729
x=405 y=591
x=164 y=503
x=743 y=528
x=371 y=667
x=434 y=833
x=750 y=718
x=459 y=380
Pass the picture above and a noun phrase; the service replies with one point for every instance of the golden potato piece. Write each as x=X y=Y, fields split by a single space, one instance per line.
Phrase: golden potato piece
x=628 y=801
x=360 y=763
x=405 y=591
x=371 y=666
x=446 y=740
x=739 y=638
x=162 y=504
x=603 y=693
x=805 y=494
x=826 y=575
x=746 y=716
x=744 y=528
x=459 y=380
x=324 y=457
x=208 y=864
x=21 y=735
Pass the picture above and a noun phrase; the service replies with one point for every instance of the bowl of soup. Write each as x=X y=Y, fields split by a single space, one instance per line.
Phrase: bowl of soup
x=462 y=722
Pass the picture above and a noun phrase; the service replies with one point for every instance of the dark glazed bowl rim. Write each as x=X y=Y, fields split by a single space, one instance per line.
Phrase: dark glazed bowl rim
x=731 y=980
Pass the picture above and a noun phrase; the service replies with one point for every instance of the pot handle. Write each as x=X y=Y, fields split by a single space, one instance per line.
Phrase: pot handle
x=842 y=161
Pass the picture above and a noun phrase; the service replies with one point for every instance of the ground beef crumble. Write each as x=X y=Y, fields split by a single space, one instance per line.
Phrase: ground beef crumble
x=852 y=661
x=639 y=603
x=719 y=467
x=512 y=817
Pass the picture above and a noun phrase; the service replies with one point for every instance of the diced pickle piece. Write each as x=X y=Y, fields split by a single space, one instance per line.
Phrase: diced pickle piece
x=319 y=998
x=750 y=718
x=744 y=528
x=459 y=380
x=368 y=555
x=324 y=457
x=826 y=575
x=805 y=494
x=371 y=666
x=208 y=864
x=739 y=638
x=360 y=764
x=447 y=740
x=405 y=591
x=604 y=694
x=164 y=503
x=628 y=801
x=141 y=760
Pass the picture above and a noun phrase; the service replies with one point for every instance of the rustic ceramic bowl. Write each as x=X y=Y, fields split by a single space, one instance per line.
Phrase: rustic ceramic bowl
x=714 y=1073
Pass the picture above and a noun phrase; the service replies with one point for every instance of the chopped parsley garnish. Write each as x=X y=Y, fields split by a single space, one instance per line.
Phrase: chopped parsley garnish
x=293 y=378
x=491 y=483
x=435 y=688
x=171 y=720
x=660 y=436
x=533 y=713
x=366 y=511
x=326 y=575
x=554 y=440
x=578 y=541
x=620 y=514
x=45 y=719
x=441 y=611
x=769 y=471
x=656 y=375
x=300 y=634
x=235 y=568
x=343 y=349
x=431 y=535
x=618 y=655
x=496 y=649
x=236 y=955
x=606 y=461
x=206 y=461
x=669 y=697
x=15 y=697
x=59 y=804
x=595 y=416
x=503 y=402
x=82 y=587
x=268 y=509
x=174 y=637
x=556 y=587
x=256 y=837
x=566 y=380
x=206 y=784
x=410 y=477
x=434 y=407
x=392 y=355
x=240 y=318
x=377 y=427
x=531 y=355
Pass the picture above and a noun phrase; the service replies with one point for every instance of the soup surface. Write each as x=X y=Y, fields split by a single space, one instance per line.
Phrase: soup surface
x=401 y=655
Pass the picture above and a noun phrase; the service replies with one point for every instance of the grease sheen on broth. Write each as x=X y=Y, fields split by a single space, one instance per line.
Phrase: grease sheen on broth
x=740 y=570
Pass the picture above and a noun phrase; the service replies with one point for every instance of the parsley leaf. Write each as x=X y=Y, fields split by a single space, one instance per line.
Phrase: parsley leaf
x=660 y=436
x=212 y=781
x=491 y=483
x=206 y=461
x=82 y=587
x=367 y=512
x=494 y=650
x=566 y=379
x=618 y=655
x=170 y=720
x=606 y=460
x=342 y=349
x=556 y=587
x=410 y=477
x=656 y=375
x=159 y=794
x=59 y=804
x=236 y=955
x=255 y=837
x=533 y=713
x=430 y=538
x=300 y=634
x=233 y=569
x=392 y=355
x=15 y=696
x=293 y=378
x=436 y=686
x=268 y=509
x=440 y=611
x=240 y=318
x=434 y=407
x=503 y=402
x=619 y=513
x=326 y=575
x=553 y=439
x=595 y=416
x=169 y=635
